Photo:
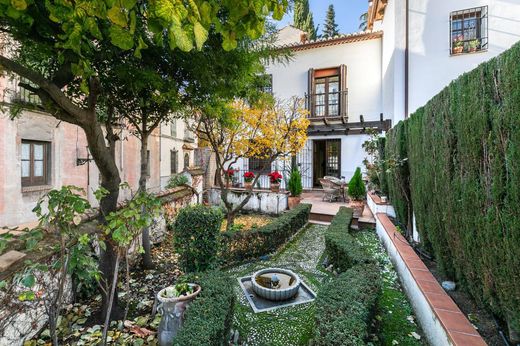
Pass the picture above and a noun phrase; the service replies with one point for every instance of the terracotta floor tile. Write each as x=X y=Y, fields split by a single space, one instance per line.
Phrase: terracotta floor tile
x=430 y=286
x=441 y=301
x=455 y=321
x=462 y=339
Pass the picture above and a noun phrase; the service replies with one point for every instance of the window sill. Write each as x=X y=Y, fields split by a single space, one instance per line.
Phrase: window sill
x=37 y=188
x=468 y=52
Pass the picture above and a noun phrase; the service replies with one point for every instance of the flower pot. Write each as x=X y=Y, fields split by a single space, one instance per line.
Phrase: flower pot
x=294 y=201
x=473 y=49
x=275 y=187
x=248 y=185
x=458 y=50
x=172 y=311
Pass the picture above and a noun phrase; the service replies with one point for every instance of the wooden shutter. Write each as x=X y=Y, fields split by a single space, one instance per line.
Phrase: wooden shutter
x=343 y=105
x=310 y=92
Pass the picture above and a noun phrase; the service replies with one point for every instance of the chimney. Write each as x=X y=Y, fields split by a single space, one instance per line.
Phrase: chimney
x=303 y=37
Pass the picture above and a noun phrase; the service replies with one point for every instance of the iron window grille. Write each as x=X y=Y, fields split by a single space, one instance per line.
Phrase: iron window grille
x=469 y=30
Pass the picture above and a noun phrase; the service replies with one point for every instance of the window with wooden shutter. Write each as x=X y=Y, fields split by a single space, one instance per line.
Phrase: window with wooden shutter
x=327 y=95
x=35 y=162
x=173 y=161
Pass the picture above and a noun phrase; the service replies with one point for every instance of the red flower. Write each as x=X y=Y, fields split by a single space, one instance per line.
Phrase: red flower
x=230 y=172
x=249 y=176
x=275 y=177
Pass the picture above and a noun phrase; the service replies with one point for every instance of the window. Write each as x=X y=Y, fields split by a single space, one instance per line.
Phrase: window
x=35 y=163
x=186 y=161
x=173 y=161
x=327 y=96
x=469 y=30
x=327 y=92
x=173 y=128
x=259 y=165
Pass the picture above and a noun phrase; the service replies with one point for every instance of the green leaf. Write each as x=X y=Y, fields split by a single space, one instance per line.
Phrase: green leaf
x=93 y=28
x=201 y=35
x=20 y=5
x=140 y=45
x=27 y=295
x=3 y=284
x=28 y=280
x=116 y=16
x=121 y=38
x=132 y=22
x=179 y=38
x=229 y=42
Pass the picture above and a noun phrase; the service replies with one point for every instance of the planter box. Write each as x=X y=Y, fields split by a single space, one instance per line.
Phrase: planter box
x=262 y=201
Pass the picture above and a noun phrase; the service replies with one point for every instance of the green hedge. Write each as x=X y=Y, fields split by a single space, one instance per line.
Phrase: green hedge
x=239 y=246
x=344 y=306
x=341 y=247
x=464 y=163
x=196 y=235
x=208 y=319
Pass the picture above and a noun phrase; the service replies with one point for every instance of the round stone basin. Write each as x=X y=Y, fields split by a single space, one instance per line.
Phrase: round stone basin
x=275 y=284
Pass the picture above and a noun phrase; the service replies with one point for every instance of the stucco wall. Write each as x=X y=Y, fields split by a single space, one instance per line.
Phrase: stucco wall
x=261 y=201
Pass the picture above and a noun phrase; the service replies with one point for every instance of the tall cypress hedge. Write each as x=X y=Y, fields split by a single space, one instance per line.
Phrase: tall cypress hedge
x=463 y=150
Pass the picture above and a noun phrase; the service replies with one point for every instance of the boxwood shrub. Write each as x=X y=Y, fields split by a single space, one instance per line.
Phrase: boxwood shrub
x=239 y=246
x=196 y=235
x=345 y=305
x=208 y=319
x=341 y=247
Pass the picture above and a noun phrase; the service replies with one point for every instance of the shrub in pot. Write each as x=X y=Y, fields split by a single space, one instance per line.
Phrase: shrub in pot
x=275 y=178
x=294 y=185
x=356 y=186
x=196 y=235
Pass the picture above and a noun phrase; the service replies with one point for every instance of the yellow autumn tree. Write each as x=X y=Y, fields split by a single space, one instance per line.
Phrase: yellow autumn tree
x=269 y=130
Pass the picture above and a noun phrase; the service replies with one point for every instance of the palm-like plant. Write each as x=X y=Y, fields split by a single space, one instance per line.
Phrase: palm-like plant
x=363 y=19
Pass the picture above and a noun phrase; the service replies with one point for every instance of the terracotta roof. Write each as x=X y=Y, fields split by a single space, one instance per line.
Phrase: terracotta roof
x=333 y=41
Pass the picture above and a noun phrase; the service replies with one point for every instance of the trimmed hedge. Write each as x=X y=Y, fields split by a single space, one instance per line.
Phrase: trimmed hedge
x=196 y=235
x=239 y=246
x=208 y=319
x=341 y=247
x=464 y=163
x=345 y=305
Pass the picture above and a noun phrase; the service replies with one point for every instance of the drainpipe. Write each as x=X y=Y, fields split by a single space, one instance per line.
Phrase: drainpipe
x=406 y=61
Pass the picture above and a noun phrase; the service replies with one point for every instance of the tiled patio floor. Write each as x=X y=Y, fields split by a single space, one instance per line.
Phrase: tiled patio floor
x=331 y=208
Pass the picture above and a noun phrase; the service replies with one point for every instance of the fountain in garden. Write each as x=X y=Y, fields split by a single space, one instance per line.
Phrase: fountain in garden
x=275 y=284
x=273 y=288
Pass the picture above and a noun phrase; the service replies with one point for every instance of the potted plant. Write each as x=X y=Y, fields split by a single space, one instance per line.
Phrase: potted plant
x=473 y=45
x=294 y=185
x=248 y=180
x=229 y=175
x=275 y=178
x=458 y=45
x=173 y=301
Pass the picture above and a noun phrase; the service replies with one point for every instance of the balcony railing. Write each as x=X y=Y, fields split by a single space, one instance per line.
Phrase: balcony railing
x=327 y=105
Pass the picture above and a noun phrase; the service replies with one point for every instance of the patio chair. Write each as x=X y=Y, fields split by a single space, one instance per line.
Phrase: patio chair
x=331 y=192
x=337 y=183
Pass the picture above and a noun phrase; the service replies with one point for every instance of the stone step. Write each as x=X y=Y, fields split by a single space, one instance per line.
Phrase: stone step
x=10 y=258
x=320 y=217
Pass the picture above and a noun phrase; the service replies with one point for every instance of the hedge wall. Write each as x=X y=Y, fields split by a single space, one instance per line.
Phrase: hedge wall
x=342 y=249
x=208 y=319
x=239 y=246
x=344 y=306
x=464 y=163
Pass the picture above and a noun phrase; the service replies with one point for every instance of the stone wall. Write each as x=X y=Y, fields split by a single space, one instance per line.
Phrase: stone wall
x=262 y=201
x=20 y=321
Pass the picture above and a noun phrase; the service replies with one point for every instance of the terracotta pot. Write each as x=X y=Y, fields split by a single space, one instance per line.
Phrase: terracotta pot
x=473 y=49
x=275 y=187
x=248 y=185
x=294 y=201
x=458 y=50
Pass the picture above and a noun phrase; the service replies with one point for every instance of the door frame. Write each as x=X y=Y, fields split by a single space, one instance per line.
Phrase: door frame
x=327 y=143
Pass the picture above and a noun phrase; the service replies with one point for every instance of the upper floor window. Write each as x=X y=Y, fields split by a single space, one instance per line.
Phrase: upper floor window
x=469 y=30
x=22 y=95
x=35 y=163
x=173 y=128
x=327 y=95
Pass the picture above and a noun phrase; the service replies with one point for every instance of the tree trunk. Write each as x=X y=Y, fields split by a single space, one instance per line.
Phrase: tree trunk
x=105 y=161
x=230 y=219
x=145 y=236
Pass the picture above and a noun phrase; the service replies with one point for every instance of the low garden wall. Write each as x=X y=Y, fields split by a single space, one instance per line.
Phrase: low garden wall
x=19 y=320
x=262 y=201
x=460 y=176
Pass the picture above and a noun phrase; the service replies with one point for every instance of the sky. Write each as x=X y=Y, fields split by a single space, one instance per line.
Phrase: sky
x=347 y=14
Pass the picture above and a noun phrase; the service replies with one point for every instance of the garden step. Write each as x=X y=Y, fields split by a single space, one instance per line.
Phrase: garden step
x=9 y=258
x=320 y=217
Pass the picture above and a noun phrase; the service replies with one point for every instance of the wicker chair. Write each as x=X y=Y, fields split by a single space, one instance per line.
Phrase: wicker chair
x=331 y=191
x=338 y=184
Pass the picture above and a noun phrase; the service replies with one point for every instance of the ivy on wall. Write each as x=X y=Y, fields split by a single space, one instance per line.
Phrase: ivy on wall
x=463 y=166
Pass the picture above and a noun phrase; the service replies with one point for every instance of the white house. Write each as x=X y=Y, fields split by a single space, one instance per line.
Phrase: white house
x=374 y=79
